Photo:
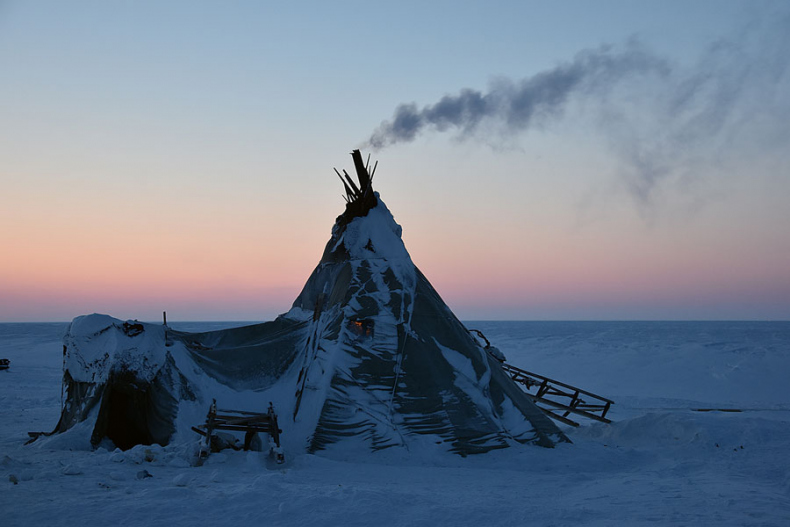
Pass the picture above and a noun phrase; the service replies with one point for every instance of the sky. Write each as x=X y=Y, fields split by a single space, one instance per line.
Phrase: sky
x=573 y=160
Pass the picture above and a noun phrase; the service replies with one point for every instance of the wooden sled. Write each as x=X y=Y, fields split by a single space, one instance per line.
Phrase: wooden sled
x=251 y=423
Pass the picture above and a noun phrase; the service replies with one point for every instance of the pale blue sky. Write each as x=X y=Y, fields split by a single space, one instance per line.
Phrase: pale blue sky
x=202 y=135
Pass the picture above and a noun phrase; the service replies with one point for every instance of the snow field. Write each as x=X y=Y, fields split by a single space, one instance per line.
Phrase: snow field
x=659 y=463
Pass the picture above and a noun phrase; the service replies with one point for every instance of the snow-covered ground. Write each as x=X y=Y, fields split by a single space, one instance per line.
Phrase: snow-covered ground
x=660 y=462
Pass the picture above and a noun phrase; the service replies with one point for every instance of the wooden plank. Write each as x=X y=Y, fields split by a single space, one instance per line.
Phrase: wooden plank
x=560 y=418
x=349 y=192
x=362 y=172
x=243 y=419
x=239 y=428
x=199 y=431
x=549 y=402
x=357 y=193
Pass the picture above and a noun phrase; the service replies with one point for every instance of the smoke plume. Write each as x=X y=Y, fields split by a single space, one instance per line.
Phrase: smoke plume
x=517 y=105
x=663 y=121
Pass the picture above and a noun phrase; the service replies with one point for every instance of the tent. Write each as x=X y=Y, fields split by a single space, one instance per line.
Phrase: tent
x=369 y=357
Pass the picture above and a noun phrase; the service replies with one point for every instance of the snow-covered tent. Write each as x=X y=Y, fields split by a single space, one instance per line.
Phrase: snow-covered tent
x=369 y=356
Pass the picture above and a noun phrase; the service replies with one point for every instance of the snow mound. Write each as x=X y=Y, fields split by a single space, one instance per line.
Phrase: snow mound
x=375 y=235
x=95 y=345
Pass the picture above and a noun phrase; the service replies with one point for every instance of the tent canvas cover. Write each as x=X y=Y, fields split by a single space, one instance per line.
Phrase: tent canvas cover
x=369 y=357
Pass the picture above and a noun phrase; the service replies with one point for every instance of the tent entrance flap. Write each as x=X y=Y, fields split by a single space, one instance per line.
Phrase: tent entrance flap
x=132 y=413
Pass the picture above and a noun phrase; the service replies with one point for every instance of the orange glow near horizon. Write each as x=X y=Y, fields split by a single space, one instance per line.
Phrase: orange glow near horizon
x=202 y=269
x=217 y=253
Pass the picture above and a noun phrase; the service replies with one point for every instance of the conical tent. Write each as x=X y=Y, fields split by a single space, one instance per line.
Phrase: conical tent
x=369 y=356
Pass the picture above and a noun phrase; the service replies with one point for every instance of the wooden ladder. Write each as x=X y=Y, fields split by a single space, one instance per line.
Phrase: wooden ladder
x=559 y=399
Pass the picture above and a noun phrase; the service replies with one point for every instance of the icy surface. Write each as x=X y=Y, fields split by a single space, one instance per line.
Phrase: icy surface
x=660 y=462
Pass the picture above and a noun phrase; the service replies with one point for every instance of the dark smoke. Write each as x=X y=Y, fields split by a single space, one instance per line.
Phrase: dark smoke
x=516 y=105
x=665 y=122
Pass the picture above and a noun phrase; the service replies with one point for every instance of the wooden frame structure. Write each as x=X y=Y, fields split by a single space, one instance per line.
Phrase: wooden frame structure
x=239 y=421
x=359 y=198
x=559 y=399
